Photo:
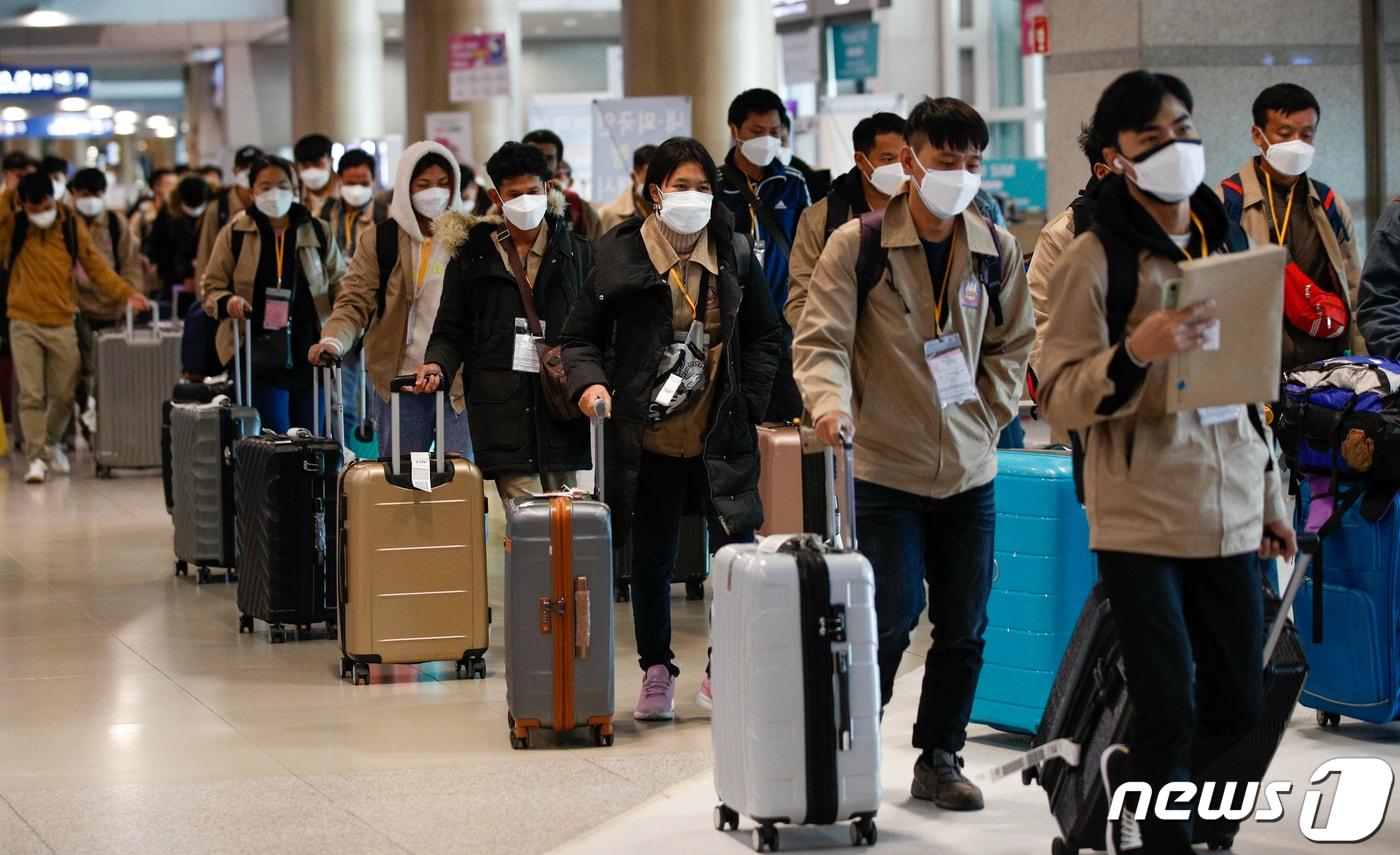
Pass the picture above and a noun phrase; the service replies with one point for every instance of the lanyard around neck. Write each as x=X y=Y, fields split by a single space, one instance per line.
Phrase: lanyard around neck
x=942 y=296
x=421 y=273
x=279 y=241
x=1205 y=248
x=1280 y=234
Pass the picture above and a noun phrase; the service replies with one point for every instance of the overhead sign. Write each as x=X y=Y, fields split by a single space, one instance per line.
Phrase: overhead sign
x=855 y=49
x=1020 y=179
x=57 y=126
x=18 y=81
x=477 y=66
x=621 y=125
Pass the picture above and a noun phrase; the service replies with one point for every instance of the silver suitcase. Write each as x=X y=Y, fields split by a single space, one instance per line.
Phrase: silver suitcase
x=203 y=438
x=559 y=631
x=135 y=370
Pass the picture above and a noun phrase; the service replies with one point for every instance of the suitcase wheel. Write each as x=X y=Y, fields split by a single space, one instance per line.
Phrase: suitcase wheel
x=519 y=743
x=726 y=818
x=361 y=674
x=346 y=666
x=204 y=575
x=182 y=569
x=471 y=667
x=695 y=590
x=303 y=629
x=622 y=592
x=765 y=837
x=332 y=632
x=245 y=624
x=103 y=471
x=1062 y=847
x=864 y=832
x=1328 y=719
x=276 y=633
x=600 y=738
x=1220 y=843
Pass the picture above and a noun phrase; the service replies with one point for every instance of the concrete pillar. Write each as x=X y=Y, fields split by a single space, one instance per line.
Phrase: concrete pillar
x=908 y=66
x=710 y=50
x=1225 y=63
x=207 y=138
x=337 y=62
x=428 y=24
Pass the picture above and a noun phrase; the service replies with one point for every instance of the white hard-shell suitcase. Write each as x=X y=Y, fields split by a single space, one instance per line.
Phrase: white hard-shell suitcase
x=796 y=682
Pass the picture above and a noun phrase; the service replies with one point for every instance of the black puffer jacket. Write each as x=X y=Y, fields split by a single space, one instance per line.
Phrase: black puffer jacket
x=475 y=331
x=615 y=336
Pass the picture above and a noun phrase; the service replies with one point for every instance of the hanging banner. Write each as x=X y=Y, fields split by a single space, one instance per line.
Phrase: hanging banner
x=623 y=124
x=1035 y=28
x=453 y=130
x=477 y=66
x=855 y=50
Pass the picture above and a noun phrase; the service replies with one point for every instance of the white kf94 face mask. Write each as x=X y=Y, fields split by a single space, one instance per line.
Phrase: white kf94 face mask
x=686 y=211
x=888 y=178
x=274 y=203
x=1172 y=171
x=431 y=202
x=43 y=219
x=356 y=195
x=314 y=177
x=1293 y=157
x=525 y=212
x=89 y=206
x=948 y=192
x=760 y=151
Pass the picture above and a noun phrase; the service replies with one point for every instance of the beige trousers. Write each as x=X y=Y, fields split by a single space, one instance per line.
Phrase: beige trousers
x=47 y=362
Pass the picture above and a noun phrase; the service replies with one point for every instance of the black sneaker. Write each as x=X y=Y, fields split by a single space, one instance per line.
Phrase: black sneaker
x=1124 y=834
x=938 y=778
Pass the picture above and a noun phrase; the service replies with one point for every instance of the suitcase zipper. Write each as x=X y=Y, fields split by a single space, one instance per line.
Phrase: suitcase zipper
x=821 y=626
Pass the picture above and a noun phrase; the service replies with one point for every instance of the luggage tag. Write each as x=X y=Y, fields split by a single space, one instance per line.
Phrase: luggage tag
x=277 y=308
x=667 y=392
x=526 y=356
x=421 y=470
x=1212 y=416
x=951 y=380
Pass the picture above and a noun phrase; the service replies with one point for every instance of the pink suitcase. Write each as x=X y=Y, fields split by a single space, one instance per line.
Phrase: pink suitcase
x=780 y=479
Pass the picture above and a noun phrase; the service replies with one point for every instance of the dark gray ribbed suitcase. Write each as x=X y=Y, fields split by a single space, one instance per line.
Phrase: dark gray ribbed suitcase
x=202 y=441
x=135 y=368
x=559 y=634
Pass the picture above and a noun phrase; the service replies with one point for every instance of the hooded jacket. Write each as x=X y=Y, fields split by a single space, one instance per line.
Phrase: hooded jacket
x=1155 y=482
x=356 y=311
x=511 y=428
x=615 y=335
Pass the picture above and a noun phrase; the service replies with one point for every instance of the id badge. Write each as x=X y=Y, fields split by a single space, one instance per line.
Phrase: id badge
x=760 y=250
x=526 y=357
x=277 y=308
x=952 y=382
x=1212 y=416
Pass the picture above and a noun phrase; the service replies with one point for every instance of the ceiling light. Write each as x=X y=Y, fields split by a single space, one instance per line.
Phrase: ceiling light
x=73 y=104
x=157 y=121
x=125 y=117
x=14 y=114
x=165 y=132
x=123 y=129
x=46 y=18
x=100 y=111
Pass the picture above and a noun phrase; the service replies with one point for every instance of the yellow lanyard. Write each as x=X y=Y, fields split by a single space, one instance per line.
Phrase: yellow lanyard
x=1280 y=234
x=422 y=271
x=350 y=230
x=942 y=296
x=1205 y=250
x=279 y=240
x=690 y=301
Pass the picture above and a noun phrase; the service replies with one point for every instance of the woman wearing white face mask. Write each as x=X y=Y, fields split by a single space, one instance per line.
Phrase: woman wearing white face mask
x=276 y=265
x=681 y=276
x=391 y=295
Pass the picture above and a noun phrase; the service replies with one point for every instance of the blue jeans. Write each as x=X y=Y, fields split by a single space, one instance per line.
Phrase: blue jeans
x=662 y=486
x=419 y=416
x=1012 y=436
x=283 y=409
x=945 y=544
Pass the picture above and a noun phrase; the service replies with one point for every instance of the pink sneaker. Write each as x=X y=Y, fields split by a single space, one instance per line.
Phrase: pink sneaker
x=705 y=699
x=658 y=699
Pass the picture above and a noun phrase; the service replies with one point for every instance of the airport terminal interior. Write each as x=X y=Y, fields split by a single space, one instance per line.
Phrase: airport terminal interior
x=236 y=617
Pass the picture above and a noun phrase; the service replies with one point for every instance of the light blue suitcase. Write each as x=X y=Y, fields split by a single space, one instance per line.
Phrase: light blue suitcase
x=1355 y=669
x=1042 y=577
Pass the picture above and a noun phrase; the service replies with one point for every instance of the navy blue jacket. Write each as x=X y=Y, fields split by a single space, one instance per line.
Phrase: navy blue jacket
x=784 y=191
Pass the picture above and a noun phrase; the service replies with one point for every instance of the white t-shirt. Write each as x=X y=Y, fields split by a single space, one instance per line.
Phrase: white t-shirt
x=423 y=313
x=1182 y=241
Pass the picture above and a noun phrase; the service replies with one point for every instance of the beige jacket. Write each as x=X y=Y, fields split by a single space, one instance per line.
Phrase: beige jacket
x=227 y=276
x=1345 y=264
x=94 y=302
x=807 y=246
x=1155 y=483
x=209 y=230
x=1051 y=244
x=875 y=370
x=619 y=209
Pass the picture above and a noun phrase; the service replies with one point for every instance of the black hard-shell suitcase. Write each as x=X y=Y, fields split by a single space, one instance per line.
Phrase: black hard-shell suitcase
x=286 y=494
x=692 y=562
x=1089 y=705
x=184 y=393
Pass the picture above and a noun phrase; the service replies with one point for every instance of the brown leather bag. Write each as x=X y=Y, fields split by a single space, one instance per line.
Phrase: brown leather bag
x=553 y=385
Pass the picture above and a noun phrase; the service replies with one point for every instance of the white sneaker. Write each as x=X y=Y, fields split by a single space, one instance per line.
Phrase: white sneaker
x=58 y=460
x=38 y=472
x=89 y=416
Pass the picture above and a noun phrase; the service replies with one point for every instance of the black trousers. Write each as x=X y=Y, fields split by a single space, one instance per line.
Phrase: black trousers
x=1190 y=632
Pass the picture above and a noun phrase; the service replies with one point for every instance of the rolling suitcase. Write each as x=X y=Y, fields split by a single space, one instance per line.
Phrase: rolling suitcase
x=285 y=491
x=203 y=438
x=133 y=371
x=183 y=393
x=1356 y=664
x=559 y=637
x=796 y=683
x=1042 y=575
x=412 y=569
x=1089 y=708
x=780 y=467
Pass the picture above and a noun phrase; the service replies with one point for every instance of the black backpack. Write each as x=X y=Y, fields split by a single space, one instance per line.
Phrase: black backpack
x=386 y=249
x=17 y=236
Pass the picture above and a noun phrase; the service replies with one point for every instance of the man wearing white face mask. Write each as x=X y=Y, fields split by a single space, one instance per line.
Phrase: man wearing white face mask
x=483 y=329
x=1275 y=199
x=913 y=343
x=319 y=185
x=391 y=296
x=766 y=198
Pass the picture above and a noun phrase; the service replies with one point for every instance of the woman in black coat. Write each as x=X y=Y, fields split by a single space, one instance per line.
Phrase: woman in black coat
x=650 y=279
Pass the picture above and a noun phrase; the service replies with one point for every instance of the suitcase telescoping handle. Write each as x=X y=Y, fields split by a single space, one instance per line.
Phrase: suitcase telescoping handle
x=243 y=356
x=1307 y=547
x=841 y=506
x=327 y=374
x=600 y=411
x=131 y=321
x=396 y=388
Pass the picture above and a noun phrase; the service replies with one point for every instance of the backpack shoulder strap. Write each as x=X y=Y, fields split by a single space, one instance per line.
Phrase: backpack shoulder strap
x=1329 y=207
x=17 y=238
x=235 y=239
x=1122 y=280
x=223 y=206
x=1082 y=213
x=114 y=228
x=1232 y=199
x=321 y=247
x=70 y=237
x=989 y=268
x=838 y=211
x=872 y=261
x=386 y=249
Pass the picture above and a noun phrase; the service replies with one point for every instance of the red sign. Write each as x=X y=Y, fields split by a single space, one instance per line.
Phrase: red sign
x=1035 y=28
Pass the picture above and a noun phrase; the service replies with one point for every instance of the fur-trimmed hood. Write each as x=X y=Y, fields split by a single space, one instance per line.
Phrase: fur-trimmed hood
x=451 y=229
x=401 y=208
